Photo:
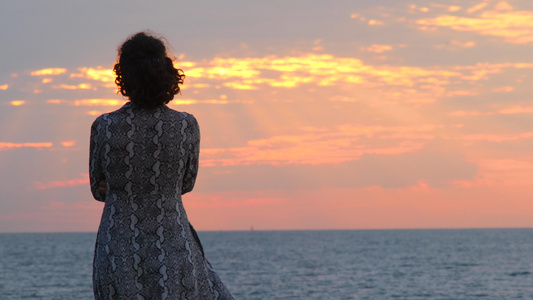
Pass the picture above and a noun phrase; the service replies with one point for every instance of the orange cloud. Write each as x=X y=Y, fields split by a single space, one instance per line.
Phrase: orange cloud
x=68 y=143
x=88 y=102
x=24 y=145
x=516 y=110
x=4 y=87
x=462 y=113
x=98 y=102
x=498 y=138
x=317 y=46
x=514 y=171
x=506 y=164
x=178 y=102
x=239 y=86
x=461 y=93
x=206 y=201
x=59 y=184
x=378 y=48
x=98 y=74
x=342 y=144
x=455 y=45
x=454 y=8
x=198 y=85
x=503 y=111
x=375 y=22
x=503 y=6
x=322 y=70
x=480 y=71
x=94 y=113
x=397 y=83
x=81 y=86
x=17 y=102
x=49 y=71
x=220 y=68
x=477 y=7
x=184 y=64
x=503 y=89
x=514 y=26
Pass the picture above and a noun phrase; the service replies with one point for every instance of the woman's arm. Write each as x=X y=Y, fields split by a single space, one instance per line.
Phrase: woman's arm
x=96 y=174
x=191 y=166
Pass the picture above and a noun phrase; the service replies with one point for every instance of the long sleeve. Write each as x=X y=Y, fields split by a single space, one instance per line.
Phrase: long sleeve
x=191 y=167
x=95 y=165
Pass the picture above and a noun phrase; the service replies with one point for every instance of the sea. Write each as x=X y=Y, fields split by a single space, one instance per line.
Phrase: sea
x=329 y=264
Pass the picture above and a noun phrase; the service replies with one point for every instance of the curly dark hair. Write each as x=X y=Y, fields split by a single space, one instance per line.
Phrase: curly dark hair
x=145 y=73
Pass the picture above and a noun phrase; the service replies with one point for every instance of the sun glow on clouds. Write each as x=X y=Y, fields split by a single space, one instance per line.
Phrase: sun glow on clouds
x=375 y=22
x=480 y=71
x=4 y=87
x=321 y=70
x=514 y=26
x=502 y=172
x=249 y=73
x=454 y=8
x=456 y=45
x=98 y=102
x=98 y=74
x=516 y=110
x=81 y=86
x=88 y=102
x=378 y=48
x=212 y=201
x=499 y=138
x=17 y=102
x=177 y=102
x=345 y=143
x=49 y=71
x=476 y=7
x=412 y=84
x=68 y=143
x=61 y=184
x=513 y=110
x=7 y=146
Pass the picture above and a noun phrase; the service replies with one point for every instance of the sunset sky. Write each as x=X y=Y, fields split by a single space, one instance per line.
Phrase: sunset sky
x=313 y=114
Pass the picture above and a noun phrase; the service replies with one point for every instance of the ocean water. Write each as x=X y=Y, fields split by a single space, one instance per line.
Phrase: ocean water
x=350 y=264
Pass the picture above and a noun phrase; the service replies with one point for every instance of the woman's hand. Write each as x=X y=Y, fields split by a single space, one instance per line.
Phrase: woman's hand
x=102 y=189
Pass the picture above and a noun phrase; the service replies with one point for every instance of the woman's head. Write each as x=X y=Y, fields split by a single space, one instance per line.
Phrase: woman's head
x=145 y=73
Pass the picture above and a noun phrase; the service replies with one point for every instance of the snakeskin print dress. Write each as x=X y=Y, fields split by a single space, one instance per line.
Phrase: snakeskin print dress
x=146 y=247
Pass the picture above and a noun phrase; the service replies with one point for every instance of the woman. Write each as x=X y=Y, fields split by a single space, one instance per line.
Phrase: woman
x=143 y=157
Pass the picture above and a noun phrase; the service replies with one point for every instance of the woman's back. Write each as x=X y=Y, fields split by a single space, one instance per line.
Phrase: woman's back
x=149 y=151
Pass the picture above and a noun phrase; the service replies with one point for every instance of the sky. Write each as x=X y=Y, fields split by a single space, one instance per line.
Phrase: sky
x=314 y=115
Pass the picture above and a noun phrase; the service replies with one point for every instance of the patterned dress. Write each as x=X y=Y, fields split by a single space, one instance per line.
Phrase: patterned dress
x=146 y=247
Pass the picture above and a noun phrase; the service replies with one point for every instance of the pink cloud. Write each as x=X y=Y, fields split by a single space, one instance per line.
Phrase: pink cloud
x=68 y=143
x=498 y=138
x=320 y=147
x=39 y=185
x=4 y=145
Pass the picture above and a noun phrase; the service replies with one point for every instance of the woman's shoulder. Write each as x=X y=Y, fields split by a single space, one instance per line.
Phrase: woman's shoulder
x=100 y=119
x=182 y=115
x=113 y=114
